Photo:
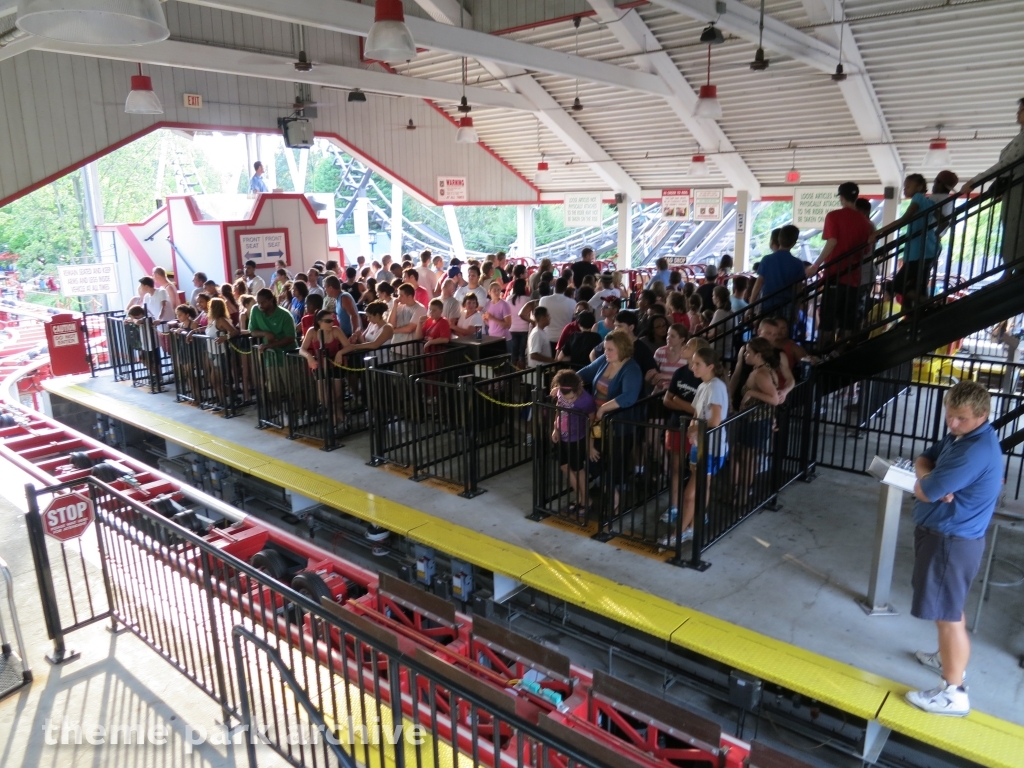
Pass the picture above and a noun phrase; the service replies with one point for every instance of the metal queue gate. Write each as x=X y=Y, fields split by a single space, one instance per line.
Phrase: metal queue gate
x=276 y=661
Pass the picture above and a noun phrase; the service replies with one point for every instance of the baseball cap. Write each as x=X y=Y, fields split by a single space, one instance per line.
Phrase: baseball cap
x=948 y=179
x=849 y=189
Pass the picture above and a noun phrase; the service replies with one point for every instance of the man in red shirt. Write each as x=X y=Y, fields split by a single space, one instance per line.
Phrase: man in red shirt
x=847 y=235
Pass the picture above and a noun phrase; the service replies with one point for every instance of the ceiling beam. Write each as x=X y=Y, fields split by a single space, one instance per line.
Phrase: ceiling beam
x=229 y=61
x=21 y=45
x=8 y=7
x=636 y=38
x=445 y=12
x=356 y=19
x=583 y=145
x=861 y=97
x=742 y=20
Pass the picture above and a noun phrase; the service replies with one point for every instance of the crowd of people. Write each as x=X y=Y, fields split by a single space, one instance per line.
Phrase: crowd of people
x=691 y=342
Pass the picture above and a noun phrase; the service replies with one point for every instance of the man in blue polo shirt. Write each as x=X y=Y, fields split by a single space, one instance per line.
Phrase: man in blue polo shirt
x=958 y=484
x=777 y=271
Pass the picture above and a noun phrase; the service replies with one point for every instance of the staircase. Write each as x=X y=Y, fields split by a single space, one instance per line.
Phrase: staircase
x=965 y=289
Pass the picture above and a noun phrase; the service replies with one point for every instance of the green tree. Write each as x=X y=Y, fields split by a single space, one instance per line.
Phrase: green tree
x=47 y=227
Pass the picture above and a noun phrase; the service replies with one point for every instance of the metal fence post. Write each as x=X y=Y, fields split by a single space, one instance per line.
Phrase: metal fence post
x=778 y=455
x=700 y=498
x=605 y=513
x=539 y=460
x=215 y=639
x=373 y=416
x=469 y=429
x=41 y=559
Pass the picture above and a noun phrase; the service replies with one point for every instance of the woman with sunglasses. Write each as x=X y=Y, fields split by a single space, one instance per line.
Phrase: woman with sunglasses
x=325 y=335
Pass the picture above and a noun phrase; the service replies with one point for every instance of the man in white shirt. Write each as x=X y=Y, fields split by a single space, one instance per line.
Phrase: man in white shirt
x=253 y=282
x=473 y=286
x=385 y=270
x=538 y=343
x=427 y=278
x=198 y=285
x=406 y=315
x=155 y=301
x=597 y=302
x=560 y=307
x=314 y=281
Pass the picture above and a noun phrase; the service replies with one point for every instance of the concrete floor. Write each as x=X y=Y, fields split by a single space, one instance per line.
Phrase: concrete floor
x=793 y=574
x=118 y=682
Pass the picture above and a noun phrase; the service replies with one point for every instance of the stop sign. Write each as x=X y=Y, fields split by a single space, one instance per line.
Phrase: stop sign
x=67 y=516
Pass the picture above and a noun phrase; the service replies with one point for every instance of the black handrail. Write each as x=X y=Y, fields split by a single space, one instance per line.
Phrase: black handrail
x=965 y=209
x=238 y=633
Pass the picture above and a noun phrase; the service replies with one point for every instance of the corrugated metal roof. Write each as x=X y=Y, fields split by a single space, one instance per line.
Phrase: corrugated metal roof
x=958 y=65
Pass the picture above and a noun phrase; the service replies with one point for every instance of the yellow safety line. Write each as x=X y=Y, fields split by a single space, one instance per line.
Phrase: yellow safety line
x=982 y=738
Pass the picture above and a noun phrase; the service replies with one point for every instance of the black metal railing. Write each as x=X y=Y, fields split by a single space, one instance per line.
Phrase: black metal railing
x=104 y=347
x=328 y=399
x=899 y=414
x=310 y=662
x=212 y=373
x=461 y=423
x=262 y=670
x=149 y=350
x=964 y=243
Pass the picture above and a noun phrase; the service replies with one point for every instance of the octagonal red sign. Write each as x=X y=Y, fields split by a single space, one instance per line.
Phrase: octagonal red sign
x=67 y=516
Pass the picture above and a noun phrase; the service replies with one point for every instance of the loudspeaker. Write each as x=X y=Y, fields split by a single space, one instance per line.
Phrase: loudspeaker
x=890 y=193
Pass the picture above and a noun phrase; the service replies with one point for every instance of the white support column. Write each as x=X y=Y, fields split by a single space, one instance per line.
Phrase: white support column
x=397 y=196
x=454 y=232
x=525 y=232
x=267 y=146
x=361 y=224
x=744 y=226
x=625 y=234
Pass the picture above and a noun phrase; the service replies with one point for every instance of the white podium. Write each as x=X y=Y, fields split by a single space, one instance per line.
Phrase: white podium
x=895 y=482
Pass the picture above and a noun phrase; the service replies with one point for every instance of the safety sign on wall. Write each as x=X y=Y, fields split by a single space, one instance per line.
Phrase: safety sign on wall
x=264 y=246
x=675 y=204
x=811 y=204
x=582 y=209
x=87 y=279
x=451 y=189
x=707 y=204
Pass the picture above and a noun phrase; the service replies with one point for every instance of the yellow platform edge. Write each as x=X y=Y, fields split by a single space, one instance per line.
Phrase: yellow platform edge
x=982 y=738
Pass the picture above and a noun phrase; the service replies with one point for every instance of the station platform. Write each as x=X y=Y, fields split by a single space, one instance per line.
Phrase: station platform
x=778 y=601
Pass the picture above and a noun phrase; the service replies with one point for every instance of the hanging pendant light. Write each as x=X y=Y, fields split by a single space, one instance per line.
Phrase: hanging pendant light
x=793 y=175
x=938 y=154
x=543 y=174
x=699 y=167
x=94 y=22
x=467 y=133
x=708 y=105
x=839 y=75
x=760 y=63
x=577 y=105
x=142 y=99
x=390 y=39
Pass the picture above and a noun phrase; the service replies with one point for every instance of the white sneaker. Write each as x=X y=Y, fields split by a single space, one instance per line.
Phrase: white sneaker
x=686 y=535
x=376 y=533
x=669 y=515
x=933 y=661
x=946 y=700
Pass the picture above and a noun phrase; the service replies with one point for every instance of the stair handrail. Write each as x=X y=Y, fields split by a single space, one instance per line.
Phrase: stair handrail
x=238 y=633
x=964 y=209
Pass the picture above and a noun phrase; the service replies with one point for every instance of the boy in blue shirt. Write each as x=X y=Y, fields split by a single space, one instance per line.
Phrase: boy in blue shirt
x=958 y=484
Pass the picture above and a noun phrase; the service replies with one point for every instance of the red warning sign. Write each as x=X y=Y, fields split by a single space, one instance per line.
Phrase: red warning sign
x=67 y=516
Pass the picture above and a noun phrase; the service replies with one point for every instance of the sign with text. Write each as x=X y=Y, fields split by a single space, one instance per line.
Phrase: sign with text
x=451 y=189
x=193 y=101
x=67 y=516
x=582 y=209
x=811 y=204
x=87 y=279
x=264 y=246
x=675 y=204
x=707 y=204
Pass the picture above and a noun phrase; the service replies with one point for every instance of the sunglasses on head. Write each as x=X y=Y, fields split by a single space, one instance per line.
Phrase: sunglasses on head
x=566 y=390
